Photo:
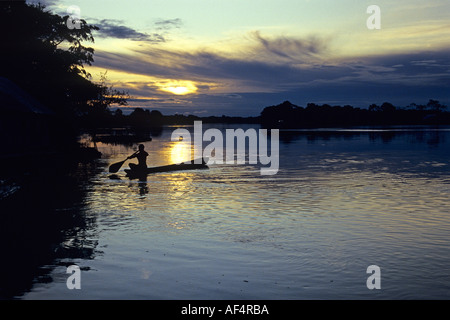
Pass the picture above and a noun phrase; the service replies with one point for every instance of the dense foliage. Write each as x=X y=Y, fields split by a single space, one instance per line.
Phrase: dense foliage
x=46 y=58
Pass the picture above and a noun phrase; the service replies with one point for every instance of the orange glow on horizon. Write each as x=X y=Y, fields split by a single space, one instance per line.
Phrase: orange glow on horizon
x=177 y=90
x=178 y=87
x=124 y=80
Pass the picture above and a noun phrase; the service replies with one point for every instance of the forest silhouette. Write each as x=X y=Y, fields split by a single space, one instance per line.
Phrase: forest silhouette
x=288 y=115
x=47 y=60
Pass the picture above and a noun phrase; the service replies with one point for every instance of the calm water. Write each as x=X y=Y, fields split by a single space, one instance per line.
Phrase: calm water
x=341 y=201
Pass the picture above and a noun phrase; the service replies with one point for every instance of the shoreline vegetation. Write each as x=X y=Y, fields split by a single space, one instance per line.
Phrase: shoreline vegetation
x=288 y=116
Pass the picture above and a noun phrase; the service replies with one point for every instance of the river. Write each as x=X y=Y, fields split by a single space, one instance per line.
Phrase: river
x=341 y=201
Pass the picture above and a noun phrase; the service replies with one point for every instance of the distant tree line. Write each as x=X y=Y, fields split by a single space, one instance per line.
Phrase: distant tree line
x=284 y=115
x=288 y=115
x=141 y=119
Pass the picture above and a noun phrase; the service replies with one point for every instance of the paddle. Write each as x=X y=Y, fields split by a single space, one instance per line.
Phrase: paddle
x=116 y=166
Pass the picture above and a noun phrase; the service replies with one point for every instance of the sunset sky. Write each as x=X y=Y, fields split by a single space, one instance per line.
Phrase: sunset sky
x=214 y=57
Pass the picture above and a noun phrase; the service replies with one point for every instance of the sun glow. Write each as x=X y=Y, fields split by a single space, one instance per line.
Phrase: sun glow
x=179 y=87
x=177 y=90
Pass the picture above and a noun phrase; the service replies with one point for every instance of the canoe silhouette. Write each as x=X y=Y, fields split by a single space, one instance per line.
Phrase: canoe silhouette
x=191 y=165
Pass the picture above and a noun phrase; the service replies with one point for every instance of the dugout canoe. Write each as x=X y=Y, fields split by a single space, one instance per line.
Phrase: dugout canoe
x=192 y=165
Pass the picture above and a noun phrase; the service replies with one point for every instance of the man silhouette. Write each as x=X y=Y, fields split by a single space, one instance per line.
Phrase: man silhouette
x=141 y=155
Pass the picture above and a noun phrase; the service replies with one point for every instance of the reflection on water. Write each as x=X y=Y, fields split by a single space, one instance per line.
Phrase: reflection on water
x=181 y=151
x=44 y=225
x=341 y=201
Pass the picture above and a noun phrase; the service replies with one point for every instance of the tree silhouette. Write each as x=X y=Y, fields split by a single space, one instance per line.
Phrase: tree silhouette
x=46 y=58
x=287 y=115
x=387 y=107
x=106 y=96
x=435 y=106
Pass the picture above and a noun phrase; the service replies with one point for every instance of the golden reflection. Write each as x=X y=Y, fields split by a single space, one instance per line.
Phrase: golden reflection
x=181 y=151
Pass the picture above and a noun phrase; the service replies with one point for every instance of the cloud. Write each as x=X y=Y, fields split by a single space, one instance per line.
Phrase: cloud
x=168 y=24
x=267 y=71
x=110 y=28
x=46 y=3
x=261 y=60
x=291 y=49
